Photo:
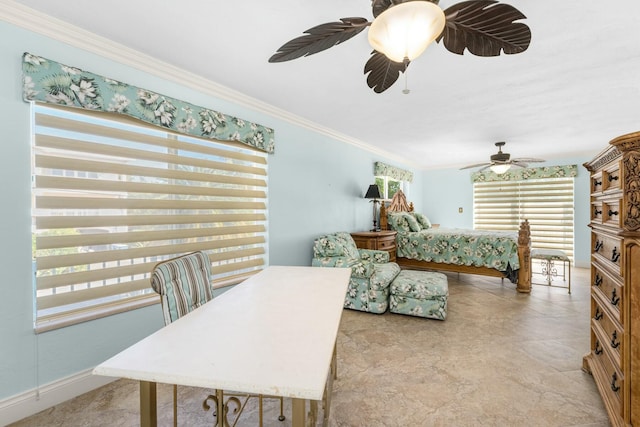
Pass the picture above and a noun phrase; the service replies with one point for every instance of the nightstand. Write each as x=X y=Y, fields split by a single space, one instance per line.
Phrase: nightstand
x=379 y=240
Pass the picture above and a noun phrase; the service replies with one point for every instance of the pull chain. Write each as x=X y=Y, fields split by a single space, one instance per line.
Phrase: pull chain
x=406 y=70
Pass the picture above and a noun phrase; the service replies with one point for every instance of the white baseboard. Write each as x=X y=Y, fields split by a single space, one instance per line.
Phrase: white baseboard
x=33 y=401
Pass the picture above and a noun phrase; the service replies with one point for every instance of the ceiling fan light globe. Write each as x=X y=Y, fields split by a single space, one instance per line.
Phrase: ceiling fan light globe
x=500 y=169
x=405 y=30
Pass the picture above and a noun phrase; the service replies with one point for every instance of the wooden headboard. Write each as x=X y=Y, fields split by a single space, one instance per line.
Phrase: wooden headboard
x=398 y=204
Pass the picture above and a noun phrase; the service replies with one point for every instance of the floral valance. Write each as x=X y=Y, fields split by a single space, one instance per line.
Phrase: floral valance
x=383 y=169
x=53 y=83
x=521 y=174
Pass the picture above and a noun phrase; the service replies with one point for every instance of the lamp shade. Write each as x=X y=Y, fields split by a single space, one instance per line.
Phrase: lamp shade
x=500 y=169
x=373 y=192
x=405 y=30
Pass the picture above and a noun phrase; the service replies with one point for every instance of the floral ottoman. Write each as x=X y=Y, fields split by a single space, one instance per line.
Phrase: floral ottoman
x=419 y=293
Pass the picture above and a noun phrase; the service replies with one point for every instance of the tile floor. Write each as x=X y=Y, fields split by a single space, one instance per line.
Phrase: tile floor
x=500 y=359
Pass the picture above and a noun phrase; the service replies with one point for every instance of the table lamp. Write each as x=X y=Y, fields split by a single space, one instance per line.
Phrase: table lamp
x=374 y=193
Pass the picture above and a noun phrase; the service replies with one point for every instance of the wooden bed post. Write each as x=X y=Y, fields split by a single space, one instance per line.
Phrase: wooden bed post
x=384 y=225
x=524 y=254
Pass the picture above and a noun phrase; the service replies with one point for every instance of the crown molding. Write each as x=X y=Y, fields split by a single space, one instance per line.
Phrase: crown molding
x=56 y=29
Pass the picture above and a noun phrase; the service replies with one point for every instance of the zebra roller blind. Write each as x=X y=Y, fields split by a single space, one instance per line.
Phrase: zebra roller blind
x=548 y=204
x=112 y=197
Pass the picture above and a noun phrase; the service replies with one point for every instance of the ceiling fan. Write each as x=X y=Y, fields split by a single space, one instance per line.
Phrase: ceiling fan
x=402 y=30
x=501 y=162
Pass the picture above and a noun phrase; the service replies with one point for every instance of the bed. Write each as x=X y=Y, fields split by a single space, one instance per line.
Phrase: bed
x=487 y=253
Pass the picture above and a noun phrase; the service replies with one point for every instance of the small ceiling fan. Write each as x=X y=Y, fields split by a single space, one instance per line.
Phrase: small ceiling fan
x=402 y=30
x=501 y=162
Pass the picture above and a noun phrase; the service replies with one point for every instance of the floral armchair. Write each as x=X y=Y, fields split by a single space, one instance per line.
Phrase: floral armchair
x=371 y=271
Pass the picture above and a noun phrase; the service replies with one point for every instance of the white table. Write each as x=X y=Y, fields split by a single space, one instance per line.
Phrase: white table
x=274 y=334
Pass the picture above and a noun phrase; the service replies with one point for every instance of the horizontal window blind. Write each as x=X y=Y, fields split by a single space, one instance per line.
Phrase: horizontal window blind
x=548 y=204
x=112 y=198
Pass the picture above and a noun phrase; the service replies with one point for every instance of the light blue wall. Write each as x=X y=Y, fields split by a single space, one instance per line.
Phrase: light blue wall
x=316 y=185
x=447 y=190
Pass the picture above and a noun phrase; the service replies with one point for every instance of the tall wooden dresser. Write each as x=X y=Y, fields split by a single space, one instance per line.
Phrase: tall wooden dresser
x=614 y=359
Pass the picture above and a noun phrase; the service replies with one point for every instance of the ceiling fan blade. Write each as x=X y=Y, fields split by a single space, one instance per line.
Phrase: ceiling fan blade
x=520 y=164
x=379 y=6
x=528 y=160
x=320 y=38
x=476 y=165
x=383 y=72
x=485 y=28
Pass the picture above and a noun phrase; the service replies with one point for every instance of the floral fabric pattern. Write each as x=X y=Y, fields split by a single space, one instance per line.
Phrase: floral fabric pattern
x=414 y=225
x=399 y=221
x=420 y=293
x=422 y=219
x=523 y=174
x=479 y=248
x=383 y=169
x=371 y=271
x=54 y=83
x=336 y=244
x=378 y=257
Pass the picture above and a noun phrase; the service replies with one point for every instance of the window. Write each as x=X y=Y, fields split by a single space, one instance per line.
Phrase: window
x=112 y=197
x=390 y=179
x=388 y=186
x=548 y=204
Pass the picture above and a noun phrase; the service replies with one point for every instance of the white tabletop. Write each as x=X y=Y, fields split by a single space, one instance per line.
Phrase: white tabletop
x=272 y=334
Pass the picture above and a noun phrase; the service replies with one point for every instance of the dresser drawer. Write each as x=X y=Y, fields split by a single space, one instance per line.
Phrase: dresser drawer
x=611 y=213
x=596 y=212
x=596 y=183
x=386 y=243
x=606 y=249
x=607 y=290
x=608 y=332
x=364 y=243
x=611 y=178
x=378 y=240
x=609 y=379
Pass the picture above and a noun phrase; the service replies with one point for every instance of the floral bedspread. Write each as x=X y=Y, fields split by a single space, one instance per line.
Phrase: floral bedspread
x=479 y=248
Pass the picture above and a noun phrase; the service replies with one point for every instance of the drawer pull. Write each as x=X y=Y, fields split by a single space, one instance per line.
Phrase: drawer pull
x=596 y=182
x=615 y=255
x=598 y=349
x=613 y=213
x=614 y=379
x=596 y=212
x=613 y=178
x=598 y=246
x=598 y=280
x=598 y=314
x=614 y=337
x=615 y=299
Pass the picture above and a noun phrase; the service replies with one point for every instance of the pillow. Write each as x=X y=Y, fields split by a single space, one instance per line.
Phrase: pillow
x=422 y=219
x=400 y=221
x=413 y=223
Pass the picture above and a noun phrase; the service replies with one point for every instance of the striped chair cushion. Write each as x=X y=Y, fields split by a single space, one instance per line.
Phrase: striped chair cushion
x=184 y=284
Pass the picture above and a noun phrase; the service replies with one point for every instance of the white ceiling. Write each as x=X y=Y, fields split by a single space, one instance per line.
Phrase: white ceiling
x=573 y=90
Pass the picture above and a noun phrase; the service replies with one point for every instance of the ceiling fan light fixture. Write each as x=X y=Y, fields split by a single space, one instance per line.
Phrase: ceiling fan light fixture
x=405 y=30
x=500 y=169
